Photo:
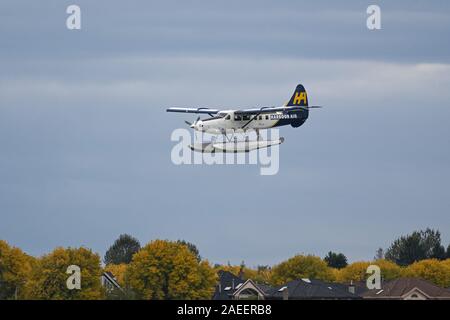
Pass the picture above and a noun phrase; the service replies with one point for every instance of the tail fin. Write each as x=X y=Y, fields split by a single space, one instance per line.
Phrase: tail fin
x=299 y=98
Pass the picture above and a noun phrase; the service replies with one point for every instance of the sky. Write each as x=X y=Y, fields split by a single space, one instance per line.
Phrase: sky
x=85 y=140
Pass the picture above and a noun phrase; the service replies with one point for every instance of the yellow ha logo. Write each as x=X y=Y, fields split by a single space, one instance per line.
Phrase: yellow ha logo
x=299 y=96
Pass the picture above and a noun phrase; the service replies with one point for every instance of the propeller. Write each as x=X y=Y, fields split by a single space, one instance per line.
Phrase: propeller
x=192 y=124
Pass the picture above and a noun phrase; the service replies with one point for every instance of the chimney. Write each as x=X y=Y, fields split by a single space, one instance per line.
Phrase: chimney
x=286 y=294
x=232 y=284
x=220 y=287
x=351 y=287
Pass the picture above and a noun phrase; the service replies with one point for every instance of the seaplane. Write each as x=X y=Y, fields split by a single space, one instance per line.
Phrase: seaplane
x=229 y=123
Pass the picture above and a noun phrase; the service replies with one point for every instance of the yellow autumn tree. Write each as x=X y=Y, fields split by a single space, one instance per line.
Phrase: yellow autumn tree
x=234 y=269
x=432 y=270
x=15 y=271
x=119 y=272
x=261 y=275
x=446 y=263
x=389 y=270
x=49 y=277
x=169 y=270
x=355 y=271
x=335 y=274
x=299 y=267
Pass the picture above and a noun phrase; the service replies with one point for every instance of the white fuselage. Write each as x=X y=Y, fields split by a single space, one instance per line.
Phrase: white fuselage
x=229 y=121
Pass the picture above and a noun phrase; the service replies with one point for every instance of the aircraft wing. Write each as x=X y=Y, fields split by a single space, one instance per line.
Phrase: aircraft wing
x=193 y=110
x=263 y=110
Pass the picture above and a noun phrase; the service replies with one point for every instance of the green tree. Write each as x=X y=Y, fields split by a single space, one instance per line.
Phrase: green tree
x=336 y=260
x=169 y=270
x=417 y=246
x=192 y=247
x=15 y=271
x=448 y=252
x=299 y=267
x=49 y=277
x=122 y=250
x=438 y=252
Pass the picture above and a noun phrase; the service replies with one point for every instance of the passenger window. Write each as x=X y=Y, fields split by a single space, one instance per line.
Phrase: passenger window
x=267 y=117
x=237 y=118
x=246 y=117
x=260 y=117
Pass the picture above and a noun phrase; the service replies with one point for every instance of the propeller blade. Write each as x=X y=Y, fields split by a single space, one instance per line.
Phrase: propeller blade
x=188 y=123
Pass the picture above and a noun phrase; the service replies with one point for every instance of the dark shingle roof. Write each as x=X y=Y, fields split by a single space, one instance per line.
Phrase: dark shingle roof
x=227 y=280
x=359 y=286
x=399 y=287
x=312 y=289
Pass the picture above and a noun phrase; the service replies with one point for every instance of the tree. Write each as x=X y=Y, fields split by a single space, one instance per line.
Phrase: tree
x=299 y=267
x=336 y=260
x=389 y=270
x=417 y=246
x=49 y=277
x=169 y=270
x=448 y=252
x=432 y=270
x=438 y=252
x=15 y=270
x=262 y=274
x=228 y=267
x=122 y=250
x=192 y=247
x=355 y=271
x=118 y=271
x=446 y=263
x=379 y=254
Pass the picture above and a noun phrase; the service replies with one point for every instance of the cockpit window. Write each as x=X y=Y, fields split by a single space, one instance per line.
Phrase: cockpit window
x=228 y=117
x=218 y=116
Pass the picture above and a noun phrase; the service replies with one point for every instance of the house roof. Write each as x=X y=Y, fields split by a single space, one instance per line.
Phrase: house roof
x=312 y=289
x=360 y=286
x=228 y=283
x=109 y=277
x=399 y=287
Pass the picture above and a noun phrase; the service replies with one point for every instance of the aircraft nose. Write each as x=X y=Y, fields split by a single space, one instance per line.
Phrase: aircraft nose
x=198 y=125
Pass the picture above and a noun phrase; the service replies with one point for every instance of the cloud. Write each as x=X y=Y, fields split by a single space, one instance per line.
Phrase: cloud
x=158 y=81
x=325 y=30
